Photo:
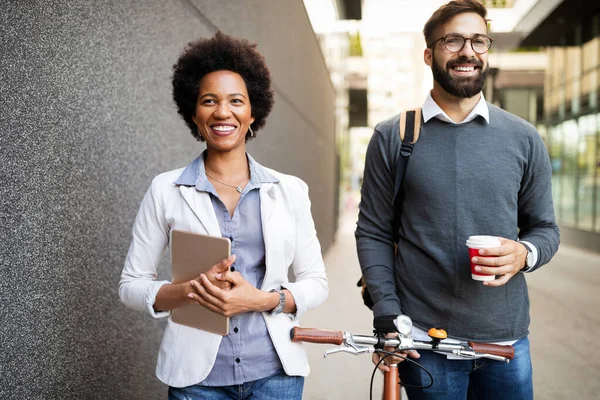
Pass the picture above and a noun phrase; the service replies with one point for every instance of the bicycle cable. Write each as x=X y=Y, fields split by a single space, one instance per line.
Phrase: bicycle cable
x=388 y=354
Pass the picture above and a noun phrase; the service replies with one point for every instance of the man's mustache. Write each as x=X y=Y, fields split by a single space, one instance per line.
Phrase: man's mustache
x=464 y=60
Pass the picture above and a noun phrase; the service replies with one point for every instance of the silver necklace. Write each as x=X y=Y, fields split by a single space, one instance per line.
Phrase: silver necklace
x=238 y=187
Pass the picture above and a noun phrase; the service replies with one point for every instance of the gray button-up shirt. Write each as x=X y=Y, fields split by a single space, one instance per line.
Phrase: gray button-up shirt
x=246 y=353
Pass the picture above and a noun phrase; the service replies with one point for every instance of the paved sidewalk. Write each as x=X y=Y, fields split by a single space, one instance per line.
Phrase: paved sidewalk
x=565 y=316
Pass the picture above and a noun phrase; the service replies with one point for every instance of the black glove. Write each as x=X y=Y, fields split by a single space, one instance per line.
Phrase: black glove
x=385 y=324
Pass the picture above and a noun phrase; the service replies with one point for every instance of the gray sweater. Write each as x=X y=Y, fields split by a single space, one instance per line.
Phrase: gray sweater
x=461 y=180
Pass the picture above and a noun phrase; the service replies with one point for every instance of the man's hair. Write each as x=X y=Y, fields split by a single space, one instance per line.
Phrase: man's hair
x=222 y=53
x=448 y=11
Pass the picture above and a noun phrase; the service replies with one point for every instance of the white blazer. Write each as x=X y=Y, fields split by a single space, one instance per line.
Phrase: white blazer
x=186 y=354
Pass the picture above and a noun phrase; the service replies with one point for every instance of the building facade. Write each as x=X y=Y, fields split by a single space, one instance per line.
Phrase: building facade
x=570 y=32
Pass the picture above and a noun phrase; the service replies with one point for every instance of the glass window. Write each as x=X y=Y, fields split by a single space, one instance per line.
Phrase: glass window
x=590 y=54
x=569 y=91
x=556 y=147
x=561 y=102
x=593 y=77
x=573 y=67
x=550 y=76
x=586 y=168
x=569 y=182
x=558 y=72
x=597 y=167
x=575 y=101
x=586 y=83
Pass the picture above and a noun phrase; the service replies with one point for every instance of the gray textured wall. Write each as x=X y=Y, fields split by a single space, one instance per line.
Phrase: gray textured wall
x=86 y=120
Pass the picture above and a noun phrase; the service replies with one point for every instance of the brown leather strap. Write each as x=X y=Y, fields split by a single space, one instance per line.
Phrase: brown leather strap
x=311 y=335
x=495 y=349
x=402 y=124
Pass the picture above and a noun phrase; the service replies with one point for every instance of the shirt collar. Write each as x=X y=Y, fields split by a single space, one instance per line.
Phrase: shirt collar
x=195 y=175
x=432 y=110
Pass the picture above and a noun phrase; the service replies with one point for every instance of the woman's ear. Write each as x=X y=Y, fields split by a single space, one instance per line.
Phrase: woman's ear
x=197 y=129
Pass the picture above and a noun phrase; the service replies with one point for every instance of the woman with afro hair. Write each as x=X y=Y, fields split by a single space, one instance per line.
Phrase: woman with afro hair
x=222 y=89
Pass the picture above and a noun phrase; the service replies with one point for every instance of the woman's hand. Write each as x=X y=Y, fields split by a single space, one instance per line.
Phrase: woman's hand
x=241 y=298
x=216 y=272
x=177 y=295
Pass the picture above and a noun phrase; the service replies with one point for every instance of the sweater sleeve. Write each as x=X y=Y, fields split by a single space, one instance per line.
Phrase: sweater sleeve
x=374 y=232
x=537 y=222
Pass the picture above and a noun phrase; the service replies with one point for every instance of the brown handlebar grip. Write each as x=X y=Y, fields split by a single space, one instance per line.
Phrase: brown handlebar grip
x=495 y=349
x=312 y=335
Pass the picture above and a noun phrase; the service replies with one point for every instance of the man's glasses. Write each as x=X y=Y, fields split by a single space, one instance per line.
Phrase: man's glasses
x=455 y=43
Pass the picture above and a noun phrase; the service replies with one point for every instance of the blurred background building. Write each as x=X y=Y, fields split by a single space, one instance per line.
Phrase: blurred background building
x=569 y=31
x=544 y=68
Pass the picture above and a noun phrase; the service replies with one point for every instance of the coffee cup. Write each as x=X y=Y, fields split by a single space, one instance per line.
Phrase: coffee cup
x=475 y=243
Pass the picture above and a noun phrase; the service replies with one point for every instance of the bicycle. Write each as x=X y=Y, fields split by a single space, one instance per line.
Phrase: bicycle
x=361 y=344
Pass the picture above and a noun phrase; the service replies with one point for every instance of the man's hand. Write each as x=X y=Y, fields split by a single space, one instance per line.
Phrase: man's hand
x=504 y=261
x=391 y=359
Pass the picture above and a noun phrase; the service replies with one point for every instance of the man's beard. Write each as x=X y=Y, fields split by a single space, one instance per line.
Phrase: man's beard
x=461 y=87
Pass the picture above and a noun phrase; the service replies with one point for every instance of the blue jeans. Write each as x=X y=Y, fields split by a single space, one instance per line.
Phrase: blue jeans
x=274 y=387
x=470 y=379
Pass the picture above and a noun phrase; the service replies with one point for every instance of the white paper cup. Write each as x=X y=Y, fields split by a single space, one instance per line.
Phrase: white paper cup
x=474 y=243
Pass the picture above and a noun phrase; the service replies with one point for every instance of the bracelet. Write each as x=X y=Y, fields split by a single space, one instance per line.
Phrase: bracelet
x=279 y=307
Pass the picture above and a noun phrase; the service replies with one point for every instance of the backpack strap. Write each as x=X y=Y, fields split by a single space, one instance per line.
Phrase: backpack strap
x=409 y=130
x=410 y=127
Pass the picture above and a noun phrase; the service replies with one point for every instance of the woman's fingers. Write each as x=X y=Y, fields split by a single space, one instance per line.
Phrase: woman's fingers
x=224 y=265
x=205 y=291
x=211 y=289
x=221 y=267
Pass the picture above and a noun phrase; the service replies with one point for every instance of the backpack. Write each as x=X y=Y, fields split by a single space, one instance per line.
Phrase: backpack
x=409 y=134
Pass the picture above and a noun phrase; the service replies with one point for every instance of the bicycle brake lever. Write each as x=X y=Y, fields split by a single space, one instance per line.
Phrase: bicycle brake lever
x=474 y=355
x=355 y=350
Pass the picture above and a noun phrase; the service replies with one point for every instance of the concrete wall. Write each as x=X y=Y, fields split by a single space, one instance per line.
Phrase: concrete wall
x=86 y=120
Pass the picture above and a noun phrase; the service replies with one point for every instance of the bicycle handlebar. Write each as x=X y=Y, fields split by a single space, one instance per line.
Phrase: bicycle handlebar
x=357 y=344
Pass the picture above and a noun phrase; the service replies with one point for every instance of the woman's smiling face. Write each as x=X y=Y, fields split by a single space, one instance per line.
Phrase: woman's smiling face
x=223 y=111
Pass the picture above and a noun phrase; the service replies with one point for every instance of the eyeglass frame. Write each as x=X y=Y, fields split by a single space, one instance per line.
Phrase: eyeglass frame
x=465 y=39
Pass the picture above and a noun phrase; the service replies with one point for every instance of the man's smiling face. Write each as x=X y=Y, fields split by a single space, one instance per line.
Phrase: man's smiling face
x=461 y=74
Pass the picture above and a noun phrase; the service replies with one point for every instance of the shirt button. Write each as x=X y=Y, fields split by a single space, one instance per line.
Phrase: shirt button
x=237 y=360
x=231 y=239
x=235 y=329
x=232 y=268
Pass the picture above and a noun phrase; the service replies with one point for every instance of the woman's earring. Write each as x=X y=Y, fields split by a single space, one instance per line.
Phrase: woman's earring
x=251 y=131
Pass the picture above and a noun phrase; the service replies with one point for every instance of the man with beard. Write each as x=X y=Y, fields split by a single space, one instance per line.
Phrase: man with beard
x=476 y=170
